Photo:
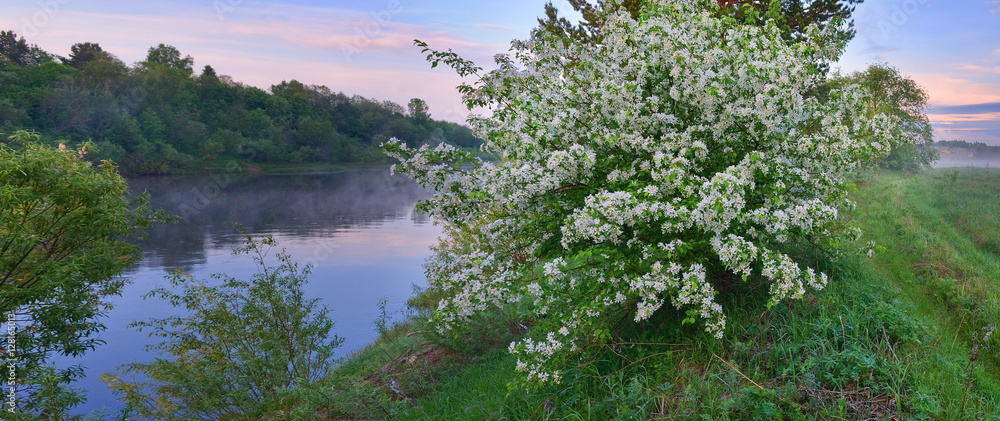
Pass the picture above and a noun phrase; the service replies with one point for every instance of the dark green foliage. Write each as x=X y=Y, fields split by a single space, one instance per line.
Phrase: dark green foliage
x=975 y=146
x=169 y=57
x=17 y=52
x=793 y=16
x=245 y=350
x=594 y=16
x=62 y=225
x=418 y=110
x=158 y=116
x=83 y=53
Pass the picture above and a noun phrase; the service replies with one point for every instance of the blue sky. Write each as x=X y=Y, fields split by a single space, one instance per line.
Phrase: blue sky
x=951 y=48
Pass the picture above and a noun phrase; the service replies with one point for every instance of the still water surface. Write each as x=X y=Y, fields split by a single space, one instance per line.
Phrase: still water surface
x=356 y=227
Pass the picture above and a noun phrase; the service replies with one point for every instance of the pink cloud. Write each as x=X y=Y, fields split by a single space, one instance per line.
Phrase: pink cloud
x=980 y=69
x=947 y=89
x=962 y=118
x=491 y=26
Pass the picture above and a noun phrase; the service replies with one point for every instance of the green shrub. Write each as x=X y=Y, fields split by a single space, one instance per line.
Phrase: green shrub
x=247 y=349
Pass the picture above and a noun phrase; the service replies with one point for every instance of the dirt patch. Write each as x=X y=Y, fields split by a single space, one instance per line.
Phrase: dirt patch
x=862 y=404
x=411 y=375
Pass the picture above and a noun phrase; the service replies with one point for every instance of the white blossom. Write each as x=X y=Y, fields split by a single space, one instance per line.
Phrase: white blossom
x=633 y=173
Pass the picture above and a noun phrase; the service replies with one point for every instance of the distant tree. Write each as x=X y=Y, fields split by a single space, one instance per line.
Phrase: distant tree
x=899 y=96
x=168 y=56
x=16 y=50
x=208 y=76
x=418 y=110
x=62 y=229
x=82 y=53
x=105 y=72
x=154 y=116
x=793 y=16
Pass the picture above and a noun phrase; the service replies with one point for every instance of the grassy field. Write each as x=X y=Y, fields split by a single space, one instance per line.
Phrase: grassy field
x=894 y=336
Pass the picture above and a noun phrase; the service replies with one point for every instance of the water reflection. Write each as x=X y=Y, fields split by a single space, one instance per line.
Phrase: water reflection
x=303 y=205
x=356 y=227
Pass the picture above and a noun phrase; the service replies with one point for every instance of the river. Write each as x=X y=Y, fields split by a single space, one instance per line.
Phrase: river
x=356 y=227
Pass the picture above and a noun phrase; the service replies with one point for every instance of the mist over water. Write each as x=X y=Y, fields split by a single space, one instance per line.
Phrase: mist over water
x=977 y=155
x=946 y=162
x=356 y=227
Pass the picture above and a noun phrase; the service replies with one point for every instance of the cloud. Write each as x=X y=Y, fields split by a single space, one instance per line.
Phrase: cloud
x=949 y=88
x=879 y=50
x=971 y=122
x=350 y=37
x=962 y=119
x=491 y=26
x=980 y=69
x=987 y=108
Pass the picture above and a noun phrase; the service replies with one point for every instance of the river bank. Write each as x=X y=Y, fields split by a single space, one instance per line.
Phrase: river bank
x=892 y=336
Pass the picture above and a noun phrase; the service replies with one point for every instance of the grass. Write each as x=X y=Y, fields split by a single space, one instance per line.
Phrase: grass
x=941 y=233
x=891 y=337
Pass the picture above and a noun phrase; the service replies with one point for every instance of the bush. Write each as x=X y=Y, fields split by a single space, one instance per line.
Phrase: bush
x=246 y=350
x=682 y=154
x=62 y=227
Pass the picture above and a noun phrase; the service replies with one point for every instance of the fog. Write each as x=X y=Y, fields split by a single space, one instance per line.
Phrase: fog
x=950 y=162
x=301 y=205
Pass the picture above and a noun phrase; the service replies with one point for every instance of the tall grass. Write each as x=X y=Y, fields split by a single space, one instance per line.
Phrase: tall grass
x=941 y=231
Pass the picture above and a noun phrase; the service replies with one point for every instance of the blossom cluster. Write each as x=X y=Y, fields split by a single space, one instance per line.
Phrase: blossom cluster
x=637 y=173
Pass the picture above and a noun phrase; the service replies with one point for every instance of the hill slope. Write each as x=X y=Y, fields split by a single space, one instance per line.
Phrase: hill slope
x=159 y=115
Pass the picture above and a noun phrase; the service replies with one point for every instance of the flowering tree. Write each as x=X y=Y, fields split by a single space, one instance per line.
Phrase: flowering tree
x=679 y=154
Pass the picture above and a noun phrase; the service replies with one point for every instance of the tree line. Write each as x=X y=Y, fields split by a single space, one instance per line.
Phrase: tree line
x=158 y=115
x=977 y=148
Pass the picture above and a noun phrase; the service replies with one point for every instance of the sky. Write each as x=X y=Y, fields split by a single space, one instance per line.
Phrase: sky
x=949 y=47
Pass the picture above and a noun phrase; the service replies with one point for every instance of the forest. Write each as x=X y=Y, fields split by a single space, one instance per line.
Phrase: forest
x=158 y=116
